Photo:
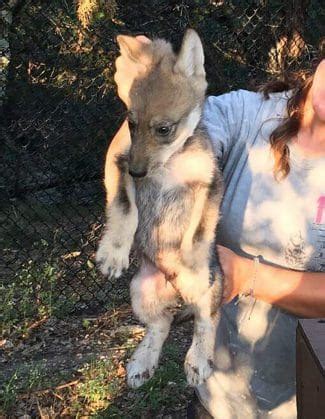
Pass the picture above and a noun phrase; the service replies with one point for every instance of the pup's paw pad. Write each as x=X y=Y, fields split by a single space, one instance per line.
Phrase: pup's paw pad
x=198 y=368
x=138 y=373
x=112 y=260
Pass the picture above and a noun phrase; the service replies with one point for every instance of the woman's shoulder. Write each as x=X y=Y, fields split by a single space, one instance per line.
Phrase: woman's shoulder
x=236 y=118
x=242 y=97
x=245 y=108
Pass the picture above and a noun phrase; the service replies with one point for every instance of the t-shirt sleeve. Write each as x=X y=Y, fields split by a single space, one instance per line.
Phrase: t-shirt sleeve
x=224 y=117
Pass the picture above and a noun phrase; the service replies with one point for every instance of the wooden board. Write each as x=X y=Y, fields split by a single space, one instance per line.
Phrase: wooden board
x=311 y=369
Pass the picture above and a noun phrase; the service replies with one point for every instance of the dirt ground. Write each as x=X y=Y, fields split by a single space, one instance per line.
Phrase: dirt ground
x=53 y=364
x=75 y=367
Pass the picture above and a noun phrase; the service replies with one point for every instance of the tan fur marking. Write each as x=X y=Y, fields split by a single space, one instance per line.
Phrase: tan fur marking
x=210 y=219
x=196 y=216
x=192 y=166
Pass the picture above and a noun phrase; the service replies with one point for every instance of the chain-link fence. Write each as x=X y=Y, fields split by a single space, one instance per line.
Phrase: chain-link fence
x=60 y=109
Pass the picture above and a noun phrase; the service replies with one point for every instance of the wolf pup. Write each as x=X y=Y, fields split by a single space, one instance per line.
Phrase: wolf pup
x=163 y=194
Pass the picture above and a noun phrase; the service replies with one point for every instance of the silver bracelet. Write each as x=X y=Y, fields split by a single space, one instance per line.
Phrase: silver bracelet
x=250 y=292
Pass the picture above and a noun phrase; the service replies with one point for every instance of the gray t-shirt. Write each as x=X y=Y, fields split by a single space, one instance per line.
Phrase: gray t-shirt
x=284 y=222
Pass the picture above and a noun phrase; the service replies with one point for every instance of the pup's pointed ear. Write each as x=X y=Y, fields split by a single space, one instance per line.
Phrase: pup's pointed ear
x=190 y=60
x=132 y=47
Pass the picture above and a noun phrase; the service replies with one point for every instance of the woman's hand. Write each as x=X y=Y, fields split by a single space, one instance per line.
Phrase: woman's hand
x=237 y=272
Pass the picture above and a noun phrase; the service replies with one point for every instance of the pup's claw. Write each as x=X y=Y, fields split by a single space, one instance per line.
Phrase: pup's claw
x=138 y=379
x=138 y=373
x=143 y=363
x=198 y=367
x=112 y=261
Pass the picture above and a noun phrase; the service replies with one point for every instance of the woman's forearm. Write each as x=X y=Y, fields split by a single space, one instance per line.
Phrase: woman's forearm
x=300 y=293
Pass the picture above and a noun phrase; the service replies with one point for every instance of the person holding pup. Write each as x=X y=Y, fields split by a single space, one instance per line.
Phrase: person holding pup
x=271 y=238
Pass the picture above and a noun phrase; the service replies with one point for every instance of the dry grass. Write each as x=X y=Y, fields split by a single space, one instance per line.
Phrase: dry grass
x=86 y=10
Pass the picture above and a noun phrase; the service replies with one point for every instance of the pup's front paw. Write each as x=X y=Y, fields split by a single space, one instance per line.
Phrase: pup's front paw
x=198 y=366
x=141 y=368
x=112 y=258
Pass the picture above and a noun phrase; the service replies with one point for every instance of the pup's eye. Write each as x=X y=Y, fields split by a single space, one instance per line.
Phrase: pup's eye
x=163 y=130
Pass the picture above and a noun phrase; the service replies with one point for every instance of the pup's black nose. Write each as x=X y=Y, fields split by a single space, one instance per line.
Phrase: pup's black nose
x=135 y=173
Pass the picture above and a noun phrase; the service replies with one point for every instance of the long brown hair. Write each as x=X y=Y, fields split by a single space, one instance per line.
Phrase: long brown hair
x=300 y=84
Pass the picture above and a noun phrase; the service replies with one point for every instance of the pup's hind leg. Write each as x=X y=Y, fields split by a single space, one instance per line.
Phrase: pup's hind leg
x=205 y=299
x=151 y=297
x=199 y=358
